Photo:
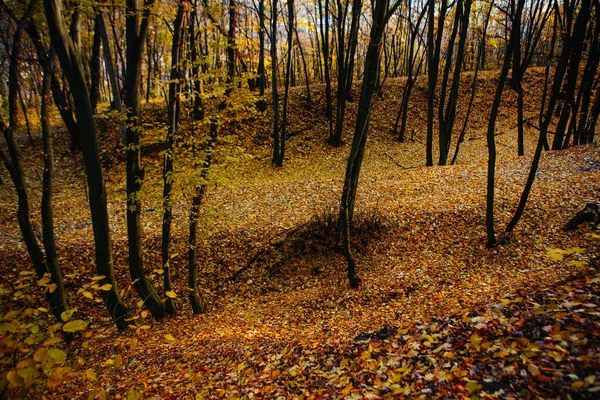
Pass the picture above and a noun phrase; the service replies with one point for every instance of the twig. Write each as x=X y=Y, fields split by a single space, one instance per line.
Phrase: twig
x=397 y=163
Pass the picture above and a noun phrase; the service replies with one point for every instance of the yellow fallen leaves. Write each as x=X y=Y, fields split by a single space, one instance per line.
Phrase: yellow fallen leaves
x=170 y=337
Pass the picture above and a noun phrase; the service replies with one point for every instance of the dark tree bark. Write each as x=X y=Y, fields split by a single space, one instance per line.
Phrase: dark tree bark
x=110 y=68
x=480 y=53
x=261 y=79
x=324 y=27
x=276 y=138
x=173 y=124
x=576 y=42
x=73 y=69
x=95 y=65
x=58 y=300
x=304 y=65
x=198 y=108
x=60 y=98
x=411 y=78
x=369 y=83
x=516 y=10
x=533 y=32
x=346 y=53
x=434 y=44
x=568 y=46
x=447 y=112
x=136 y=32
x=286 y=94
x=586 y=87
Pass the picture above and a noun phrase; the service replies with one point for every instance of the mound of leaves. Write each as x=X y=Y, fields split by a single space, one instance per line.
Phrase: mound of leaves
x=318 y=236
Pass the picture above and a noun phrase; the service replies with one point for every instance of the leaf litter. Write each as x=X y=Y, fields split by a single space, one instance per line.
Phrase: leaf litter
x=437 y=315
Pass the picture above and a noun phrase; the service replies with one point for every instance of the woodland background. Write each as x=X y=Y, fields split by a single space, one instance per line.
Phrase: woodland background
x=188 y=173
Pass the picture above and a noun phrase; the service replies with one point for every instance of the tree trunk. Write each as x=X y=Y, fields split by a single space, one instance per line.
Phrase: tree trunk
x=173 y=122
x=411 y=78
x=480 y=52
x=359 y=141
x=576 y=42
x=136 y=32
x=559 y=74
x=95 y=65
x=58 y=300
x=324 y=20
x=288 y=73
x=433 y=60
x=276 y=145
x=513 y=41
x=72 y=67
x=261 y=80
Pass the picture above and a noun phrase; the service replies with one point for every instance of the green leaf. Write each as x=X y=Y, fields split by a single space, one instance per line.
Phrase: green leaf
x=75 y=325
x=57 y=355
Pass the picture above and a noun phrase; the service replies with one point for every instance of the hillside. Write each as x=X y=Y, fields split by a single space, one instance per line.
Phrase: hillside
x=437 y=314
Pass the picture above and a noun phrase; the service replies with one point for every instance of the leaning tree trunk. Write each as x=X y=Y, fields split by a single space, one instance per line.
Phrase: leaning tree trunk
x=360 y=134
x=72 y=67
x=576 y=42
x=136 y=32
x=480 y=52
x=580 y=23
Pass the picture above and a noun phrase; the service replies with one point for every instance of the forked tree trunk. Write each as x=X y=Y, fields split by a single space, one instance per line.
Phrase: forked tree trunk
x=72 y=67
x=480 y=52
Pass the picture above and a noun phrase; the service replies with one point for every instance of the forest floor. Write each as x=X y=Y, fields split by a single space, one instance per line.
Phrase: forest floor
x=437 y=314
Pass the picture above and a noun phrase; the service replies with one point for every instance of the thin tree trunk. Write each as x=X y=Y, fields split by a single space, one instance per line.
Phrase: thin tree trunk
x=491 y=142
x=276 y=146
x=58 y=300
x=288 y=74
x=168 y=174
x=324 y=20
x=112 y=73
x=559 y=74
x=261 y=80
x=369 y=83
x=463 y=131
x=411 y=78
